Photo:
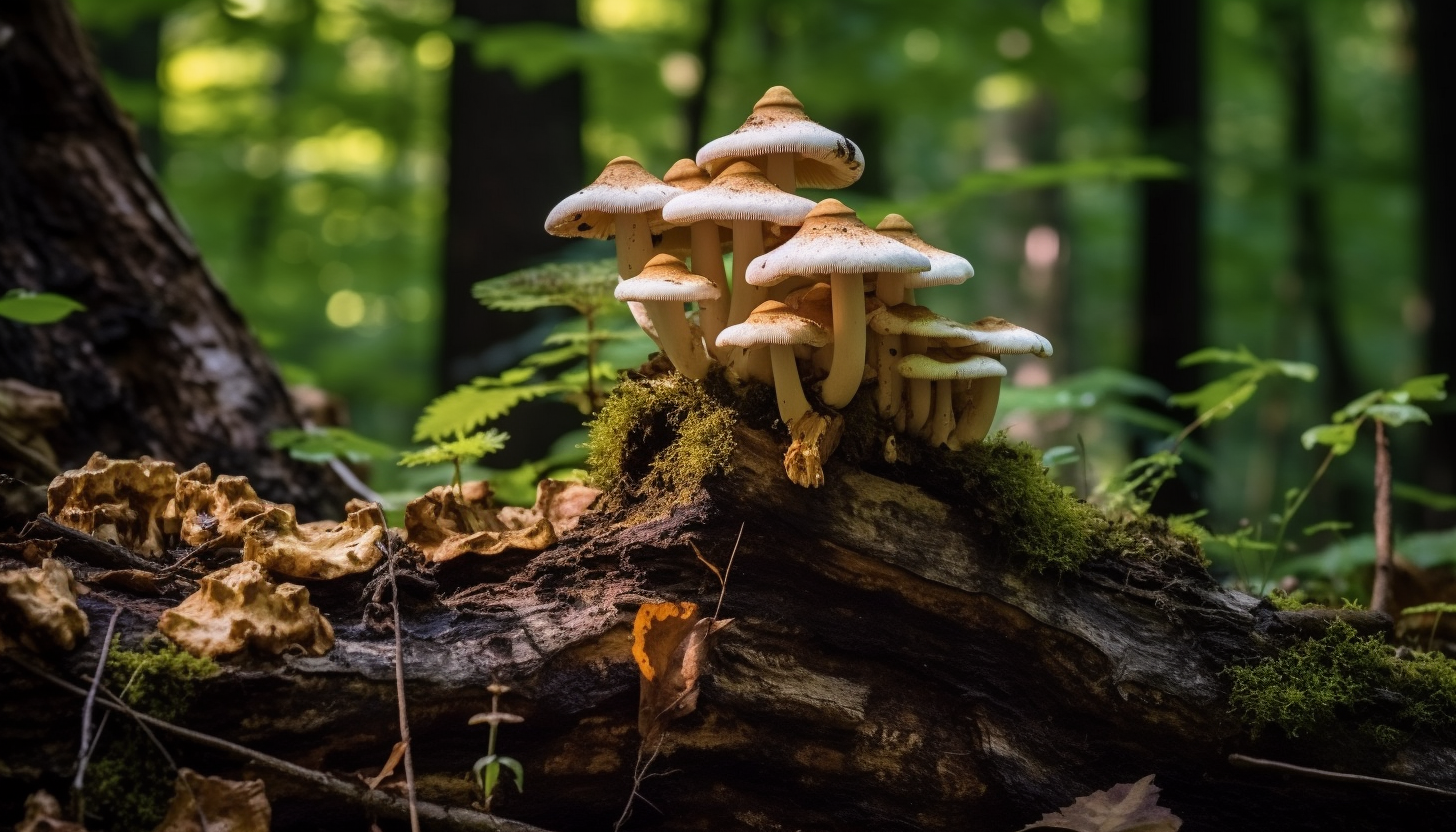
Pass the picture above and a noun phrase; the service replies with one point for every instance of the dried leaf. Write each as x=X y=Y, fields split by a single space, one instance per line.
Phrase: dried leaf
x=238 y=608
x=670 y=644
x=1126 y=807
x=135 y=581
x=30 y=551
x=38 y=607
x=228 y=805
x=395 y=756
x=26 y=413
x=43 y=814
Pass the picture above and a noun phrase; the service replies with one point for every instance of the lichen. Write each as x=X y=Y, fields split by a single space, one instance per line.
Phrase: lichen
x=1343 y=679
x=657 y=439
x=129 y=784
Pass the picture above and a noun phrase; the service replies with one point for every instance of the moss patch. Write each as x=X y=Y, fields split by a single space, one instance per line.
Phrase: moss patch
x=129 y=785
x=657 y=439
x=1343 y=679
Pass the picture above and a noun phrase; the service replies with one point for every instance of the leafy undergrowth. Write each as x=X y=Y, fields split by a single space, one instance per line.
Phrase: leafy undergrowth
x=1342 y=679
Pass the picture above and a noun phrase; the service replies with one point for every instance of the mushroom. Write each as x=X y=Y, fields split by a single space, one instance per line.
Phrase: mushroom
x=791 y=149
x=946 y=269
x=662 y=288
x=943 y=368
x=706 y=247
x=835 y=244
x=238 y=608
x=813 y=437
x=907 y=329
x=992 y=337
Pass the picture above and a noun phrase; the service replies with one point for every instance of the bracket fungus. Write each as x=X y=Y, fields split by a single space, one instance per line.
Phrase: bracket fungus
x=128 y=502
x=238 y=608
x=791 y=148
x=445 y=524
x=322 y=550
x=38 y=607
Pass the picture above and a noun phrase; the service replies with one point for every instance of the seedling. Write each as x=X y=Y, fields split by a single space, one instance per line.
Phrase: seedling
x=487 y=769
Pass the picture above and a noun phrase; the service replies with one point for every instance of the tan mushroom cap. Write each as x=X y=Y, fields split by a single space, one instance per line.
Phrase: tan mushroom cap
x=773 y=322
x=938 y=365
x=685 y=175
x=997 y=336
x=741 y=192
x=946 y=269
x=909 y=319
x=814 y=302
x=834 y=241
x=667 y=279
x=778 y=125
x=624 y=187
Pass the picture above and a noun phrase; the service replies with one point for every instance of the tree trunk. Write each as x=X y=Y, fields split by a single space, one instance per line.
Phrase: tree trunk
x=889 y=665
x=159 y=363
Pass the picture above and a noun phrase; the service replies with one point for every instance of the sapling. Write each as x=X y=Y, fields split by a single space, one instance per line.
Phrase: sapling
x=488 y=768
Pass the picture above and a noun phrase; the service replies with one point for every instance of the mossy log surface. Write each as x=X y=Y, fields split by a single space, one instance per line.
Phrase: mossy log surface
x=885 y=669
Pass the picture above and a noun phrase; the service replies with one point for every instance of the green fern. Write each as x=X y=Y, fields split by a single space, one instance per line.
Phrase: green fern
x=463 y=448
x=480 y=402
x=586 y=287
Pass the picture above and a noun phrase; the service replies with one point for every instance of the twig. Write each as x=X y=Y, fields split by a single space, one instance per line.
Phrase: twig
x=723 y=590
x=1241 y=761
x=93 y=550
x=448 y=818
x=404 y=729
x=83 y=754
x=639 y=773
x=1382 y=597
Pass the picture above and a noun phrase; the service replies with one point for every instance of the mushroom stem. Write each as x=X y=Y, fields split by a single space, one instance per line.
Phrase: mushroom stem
x=747 y=244
x=944 y=420
x=890 y=288
x=975 y=422
x=787 y=387
x=891 y=385
x=634 y=248
x=847 y=371
x=917 y=396
x=708 y=262
x=682 y=349
x=778 y=168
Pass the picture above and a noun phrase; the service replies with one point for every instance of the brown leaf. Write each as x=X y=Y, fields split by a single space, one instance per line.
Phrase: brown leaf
x=1126 y=807
x=31 y=551
x=389 y=765
x=43 y=814
x=134 y=581
x=238 y=608
x=228 y=805
x=670 y=644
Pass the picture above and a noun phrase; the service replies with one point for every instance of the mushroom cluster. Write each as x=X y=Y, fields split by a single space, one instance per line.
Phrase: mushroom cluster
x=815 y=294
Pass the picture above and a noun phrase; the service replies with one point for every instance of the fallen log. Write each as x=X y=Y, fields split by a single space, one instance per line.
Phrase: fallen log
x=905 y=652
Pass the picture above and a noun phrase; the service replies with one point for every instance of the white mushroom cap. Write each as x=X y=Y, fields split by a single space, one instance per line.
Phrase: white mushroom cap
x=741 y=192
x=773 y=322
x=938 y=366
x=624 y=187
x=945 y=268
x=778 y=125
x=909 y=319
x=996 y=336
x=834 y=241
x=666 y=278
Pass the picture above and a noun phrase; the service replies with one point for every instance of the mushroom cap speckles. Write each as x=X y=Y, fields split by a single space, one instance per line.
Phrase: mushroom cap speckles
x=624 y=187
x=741 y=192
x=945 y=268
x=687 y=176
x=997 y=336
x=834 y=241
x=665 y=278
x=778 y=125
x=774 y=323
x=908 y=319
x=938 y=366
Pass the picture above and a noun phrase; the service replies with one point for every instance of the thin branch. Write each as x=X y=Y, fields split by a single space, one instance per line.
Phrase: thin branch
x=449 y=818
x=390 y=552
x=1241 y=761
x=728 y=569
x=639 y=773
x=83 y=754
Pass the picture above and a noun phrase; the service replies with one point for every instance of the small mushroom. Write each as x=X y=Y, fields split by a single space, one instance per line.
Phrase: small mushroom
x=993 y=337
x=706 y=245
x=662 y=288
x=946 y=269
x=942 y=369
x=790 y=148
x=908 y=329
x=835 y=244
x=238 y=608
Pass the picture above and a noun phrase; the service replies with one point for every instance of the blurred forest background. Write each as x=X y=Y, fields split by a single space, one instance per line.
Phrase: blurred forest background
x=1135 y=180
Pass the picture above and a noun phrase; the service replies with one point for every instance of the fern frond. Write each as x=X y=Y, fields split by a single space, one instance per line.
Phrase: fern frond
x=586 y=287
x=461 y=449
x=472 y=405
x=579 y=337
x=560 y=355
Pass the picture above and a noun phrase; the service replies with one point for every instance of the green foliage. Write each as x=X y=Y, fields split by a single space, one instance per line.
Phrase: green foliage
x=317 y=444
x=463 y=448
x=586 y=287
x=1423 y=496
x=1111 y=393
x=1390 y=407
x=480 y=402
x=36 y=307
x=160 y=680
x=487 y=769
x=1218 y=399
x=1340 y=677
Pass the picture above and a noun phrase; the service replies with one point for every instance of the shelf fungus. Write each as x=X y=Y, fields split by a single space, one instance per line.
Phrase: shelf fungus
x=128 y=502
x=38 y=608
x=445 y=524
x=238 y=608
x=321 y=550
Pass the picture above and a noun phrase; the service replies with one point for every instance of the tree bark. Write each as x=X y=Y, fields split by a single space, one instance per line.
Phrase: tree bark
x=159 y=363
x=886 y=667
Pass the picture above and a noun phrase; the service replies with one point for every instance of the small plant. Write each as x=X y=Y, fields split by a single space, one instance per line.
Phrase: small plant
x=36 y=307
x=487 y=769
x=322 y=444
x=456 y=451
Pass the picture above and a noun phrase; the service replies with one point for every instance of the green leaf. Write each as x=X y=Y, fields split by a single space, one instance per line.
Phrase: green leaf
x=478 y=403
x=1220 y=398
x=1443 y=607
x=1301 y=370
x=36 y=308
x=1219 y=355
x=1328 y=526
x=1059 y=455
x=517 y=770
x=1339 y=438
x=462 y=449
x=486 y=771
x=586 y=287
x=560 y=355
x=1421 y=496
x=1396 y=415
x=1357 y=408
x=1426 y=388
x=573 y=336
x=324 y=444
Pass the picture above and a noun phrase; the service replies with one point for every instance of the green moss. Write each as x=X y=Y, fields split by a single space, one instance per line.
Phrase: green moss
x=1316 y=685
x=1151 y=538
x=129 y=784
x=658 y=439
x=1290 y=601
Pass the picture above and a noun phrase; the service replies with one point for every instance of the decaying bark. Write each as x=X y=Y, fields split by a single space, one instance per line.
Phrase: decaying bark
x=160 y=363
x=883 y=670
